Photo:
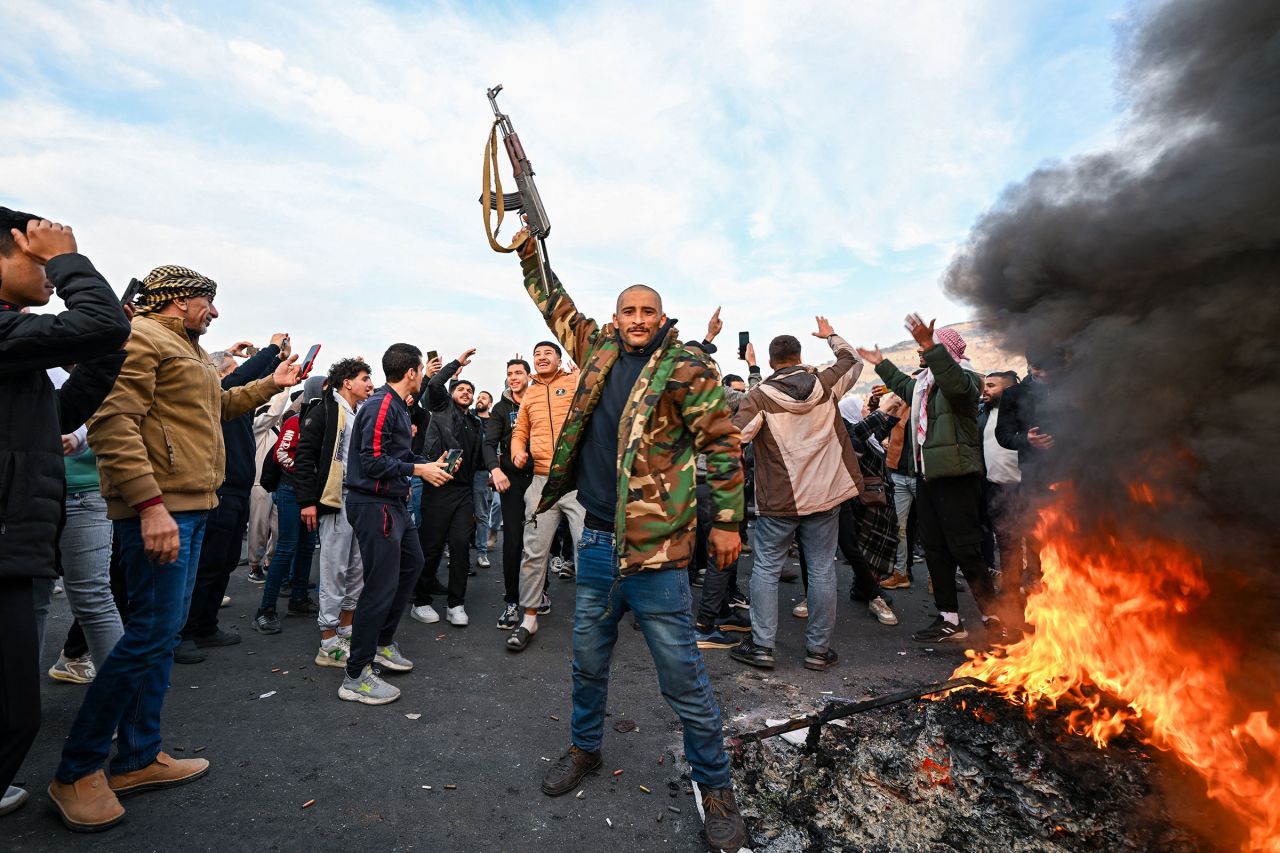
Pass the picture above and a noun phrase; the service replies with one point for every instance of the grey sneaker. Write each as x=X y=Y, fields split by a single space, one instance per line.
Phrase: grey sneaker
x=368 y=689
x=13 y=799
x=73 y=670
x=389 y=657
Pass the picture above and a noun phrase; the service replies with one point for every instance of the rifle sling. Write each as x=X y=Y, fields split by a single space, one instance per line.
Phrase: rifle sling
x=491 y=176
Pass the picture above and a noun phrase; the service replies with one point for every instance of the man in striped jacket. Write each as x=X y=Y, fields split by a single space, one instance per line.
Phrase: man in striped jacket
x=805 y=469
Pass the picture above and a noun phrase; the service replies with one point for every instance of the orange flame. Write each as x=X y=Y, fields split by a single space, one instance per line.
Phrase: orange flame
x=1113 y=616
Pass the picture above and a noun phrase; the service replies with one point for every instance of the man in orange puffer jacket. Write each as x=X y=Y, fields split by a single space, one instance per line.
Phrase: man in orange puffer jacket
x=542 y=415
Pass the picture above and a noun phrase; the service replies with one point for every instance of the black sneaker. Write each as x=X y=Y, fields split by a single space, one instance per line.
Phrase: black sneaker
x=753 y=655
x=721 y=819
x=218 y=638
x=510 y=618
x=737 y=621
x=740 y=601
x=258 y=576
x=306 y=607
x=266 y=622
x=820 y=661
x=940 y=631
x=566 y=773
x=188 y=652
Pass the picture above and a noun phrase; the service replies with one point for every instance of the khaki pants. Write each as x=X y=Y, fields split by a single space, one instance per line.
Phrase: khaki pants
x=539 y=531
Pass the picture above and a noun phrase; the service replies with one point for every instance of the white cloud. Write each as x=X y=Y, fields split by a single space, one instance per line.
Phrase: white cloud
x=322 y=160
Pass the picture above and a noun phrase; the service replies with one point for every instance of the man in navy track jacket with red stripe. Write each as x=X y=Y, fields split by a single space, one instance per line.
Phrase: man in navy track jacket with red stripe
x=379 y=466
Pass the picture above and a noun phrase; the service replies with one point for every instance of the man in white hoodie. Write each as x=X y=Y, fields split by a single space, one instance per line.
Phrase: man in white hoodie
x=805 y=469
x=319 y=468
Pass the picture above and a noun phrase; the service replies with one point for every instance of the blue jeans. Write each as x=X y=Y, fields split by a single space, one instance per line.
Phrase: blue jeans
x=415 y=501
x=128 y=692
x=294 y=547
x=482 y=498
x=663 y=609
x=817 y=536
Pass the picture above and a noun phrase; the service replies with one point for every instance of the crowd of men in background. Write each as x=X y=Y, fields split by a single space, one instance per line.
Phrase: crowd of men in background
x=142 y=516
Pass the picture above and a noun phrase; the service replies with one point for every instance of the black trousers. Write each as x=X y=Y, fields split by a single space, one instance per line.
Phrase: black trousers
x=19 y=676
x=448 y=517
x=219 y=556
x=950 y=518
x=865 y=584
x=513 y=538
x=718 y=586
x=392 y=557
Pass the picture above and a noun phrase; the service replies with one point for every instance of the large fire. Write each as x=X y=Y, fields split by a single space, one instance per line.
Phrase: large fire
x=1112 y=636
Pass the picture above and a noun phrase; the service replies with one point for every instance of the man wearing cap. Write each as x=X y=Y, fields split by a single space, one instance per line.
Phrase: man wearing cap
x=448 y=516
x=161 y=457
x=946 y=447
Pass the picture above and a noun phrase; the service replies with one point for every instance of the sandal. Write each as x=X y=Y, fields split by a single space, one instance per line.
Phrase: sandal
x=519 y=639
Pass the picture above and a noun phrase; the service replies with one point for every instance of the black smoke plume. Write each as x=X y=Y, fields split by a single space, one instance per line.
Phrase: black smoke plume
x=1156 y=268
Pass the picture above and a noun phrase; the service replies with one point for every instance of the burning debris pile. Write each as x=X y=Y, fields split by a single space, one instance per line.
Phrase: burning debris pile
x=970 y=772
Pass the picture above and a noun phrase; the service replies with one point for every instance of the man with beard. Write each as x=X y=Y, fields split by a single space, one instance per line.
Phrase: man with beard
x=510 y=482
x=482 y=490
x=643 y=408
x=947 y=448
x=161 y=457
x=448 y=516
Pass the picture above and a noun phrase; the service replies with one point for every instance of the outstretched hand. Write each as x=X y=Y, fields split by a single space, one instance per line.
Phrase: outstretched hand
x=824 y=328
x=288 y=373
x=871 y=356
x=922 y=333
x=714 y=326
x=465 y=358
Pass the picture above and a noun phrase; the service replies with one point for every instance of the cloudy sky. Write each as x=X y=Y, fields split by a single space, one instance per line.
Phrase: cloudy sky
x=321 y=160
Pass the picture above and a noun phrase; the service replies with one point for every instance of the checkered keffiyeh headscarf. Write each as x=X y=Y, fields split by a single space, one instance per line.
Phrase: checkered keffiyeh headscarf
x=165 y=283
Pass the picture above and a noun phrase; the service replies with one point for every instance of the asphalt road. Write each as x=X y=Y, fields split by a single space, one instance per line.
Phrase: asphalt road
x=488 y=723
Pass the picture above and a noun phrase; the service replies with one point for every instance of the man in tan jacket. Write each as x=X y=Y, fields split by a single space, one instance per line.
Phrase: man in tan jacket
x=158 y=440
x=537 y=429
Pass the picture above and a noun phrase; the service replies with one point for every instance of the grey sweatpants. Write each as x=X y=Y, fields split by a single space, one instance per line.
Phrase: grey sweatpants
x=341 y=571
x=539 y=532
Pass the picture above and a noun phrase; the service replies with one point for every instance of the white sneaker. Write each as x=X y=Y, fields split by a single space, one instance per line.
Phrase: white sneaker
x=457 y=616
x=12 y=799
x=426 y=613
x=73 y=670
x=880 y=609
x=801 y=610
x=483 y=561
x=226 y=599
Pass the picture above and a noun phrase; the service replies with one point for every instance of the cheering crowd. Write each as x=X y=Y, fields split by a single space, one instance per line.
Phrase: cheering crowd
x=134 y=465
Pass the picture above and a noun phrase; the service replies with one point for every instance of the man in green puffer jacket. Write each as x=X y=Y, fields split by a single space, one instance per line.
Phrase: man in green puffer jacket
x=946 y=445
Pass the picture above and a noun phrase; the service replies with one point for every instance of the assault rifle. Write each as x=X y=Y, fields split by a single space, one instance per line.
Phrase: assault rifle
x=525 y=199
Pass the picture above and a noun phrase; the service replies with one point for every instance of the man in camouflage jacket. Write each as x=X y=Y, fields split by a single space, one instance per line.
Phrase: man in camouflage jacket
x=644 y=408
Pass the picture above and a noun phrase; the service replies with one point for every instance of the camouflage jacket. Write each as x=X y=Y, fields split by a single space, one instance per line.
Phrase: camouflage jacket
x=675 y=411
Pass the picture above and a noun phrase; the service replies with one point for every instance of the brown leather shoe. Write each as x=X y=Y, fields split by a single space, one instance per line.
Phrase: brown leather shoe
x=87 y=804
x=165 y=772
x=566 y=773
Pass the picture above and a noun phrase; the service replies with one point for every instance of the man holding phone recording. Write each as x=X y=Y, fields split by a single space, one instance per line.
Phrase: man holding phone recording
x=447 y=510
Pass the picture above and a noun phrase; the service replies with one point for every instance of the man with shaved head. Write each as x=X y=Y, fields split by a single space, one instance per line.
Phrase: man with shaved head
x=644 y=408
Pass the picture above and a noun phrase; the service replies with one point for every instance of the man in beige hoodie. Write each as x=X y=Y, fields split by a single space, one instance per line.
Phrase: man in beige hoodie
x=805 y=469
x=161 y=459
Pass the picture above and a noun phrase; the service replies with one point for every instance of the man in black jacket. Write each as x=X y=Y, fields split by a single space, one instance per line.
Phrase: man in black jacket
x=447 y=510
x=37 y=259
x=229 y=520
x=510 y=482
x=318 y=474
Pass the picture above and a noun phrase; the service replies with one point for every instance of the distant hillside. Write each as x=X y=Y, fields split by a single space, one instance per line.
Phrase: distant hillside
x=981 y=350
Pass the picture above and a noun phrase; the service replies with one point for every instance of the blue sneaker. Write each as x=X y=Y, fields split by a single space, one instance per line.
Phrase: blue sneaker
x=716 y=639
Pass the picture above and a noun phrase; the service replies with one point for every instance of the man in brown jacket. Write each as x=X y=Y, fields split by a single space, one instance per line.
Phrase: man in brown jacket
x=805 y=469
x=158 y=439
